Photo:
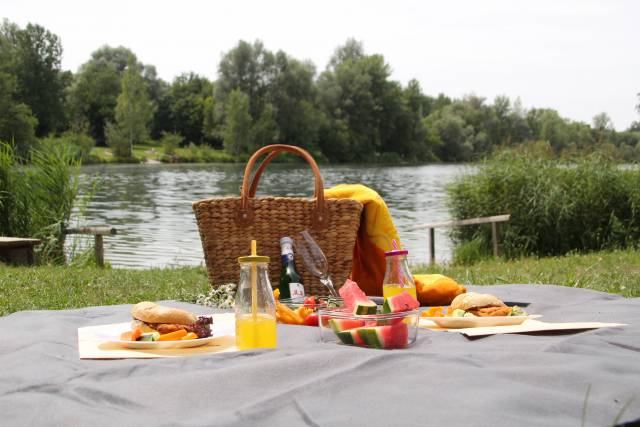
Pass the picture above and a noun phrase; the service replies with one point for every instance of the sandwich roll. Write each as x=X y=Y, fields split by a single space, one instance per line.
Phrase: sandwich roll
x=480 y=305
x=150 y=312
x=151 y=317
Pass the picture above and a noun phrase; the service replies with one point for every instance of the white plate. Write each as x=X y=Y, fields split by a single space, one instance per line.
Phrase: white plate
x=111 y=334
x=477 y=321
x=156 y=345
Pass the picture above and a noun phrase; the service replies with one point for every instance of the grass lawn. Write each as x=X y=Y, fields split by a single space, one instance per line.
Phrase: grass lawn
x=615 y=272
x=47 y=287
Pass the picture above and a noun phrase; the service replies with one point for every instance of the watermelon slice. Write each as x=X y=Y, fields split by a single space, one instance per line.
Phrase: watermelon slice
x=350 y=337
x=350 y=293
x=369 y=336
x=365 y=307
x=339 y=325
x=391 y=336
x=401 y=302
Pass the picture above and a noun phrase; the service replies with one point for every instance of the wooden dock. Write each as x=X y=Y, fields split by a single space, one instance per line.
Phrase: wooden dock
x=493 y=220
x=18 y=250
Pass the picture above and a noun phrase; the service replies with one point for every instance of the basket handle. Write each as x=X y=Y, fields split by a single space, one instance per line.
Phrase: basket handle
x=258 y=173
x=245 y=214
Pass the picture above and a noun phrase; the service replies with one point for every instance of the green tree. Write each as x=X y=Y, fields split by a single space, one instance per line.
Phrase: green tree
x=94 y=93
x=213 y=121
x=17 y=124
x=249 y=68
x=355 y=91
x=133 y=111
x=158 y=90
x=603 y=128
x=265 y=130
x=292 y=94
x=238 y=123
x=451 y=136
x=170 y=142
x=185 y=100
x=547 y=125
x=35 y=62
x=117 y=141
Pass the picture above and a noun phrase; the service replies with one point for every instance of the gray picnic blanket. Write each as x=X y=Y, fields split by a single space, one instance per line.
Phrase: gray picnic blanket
x=445 y=379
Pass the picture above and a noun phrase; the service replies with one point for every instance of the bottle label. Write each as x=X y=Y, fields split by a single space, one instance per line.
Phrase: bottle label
x=286 y=248
x=296 y=290
x=286 y=258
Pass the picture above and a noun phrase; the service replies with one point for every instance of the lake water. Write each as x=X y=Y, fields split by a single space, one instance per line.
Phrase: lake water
x=150 y=204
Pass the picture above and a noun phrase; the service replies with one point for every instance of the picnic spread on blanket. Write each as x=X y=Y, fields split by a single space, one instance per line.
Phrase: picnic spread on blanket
x=326 y=280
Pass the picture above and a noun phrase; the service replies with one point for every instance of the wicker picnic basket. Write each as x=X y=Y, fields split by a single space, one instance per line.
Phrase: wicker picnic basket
x=228 y=224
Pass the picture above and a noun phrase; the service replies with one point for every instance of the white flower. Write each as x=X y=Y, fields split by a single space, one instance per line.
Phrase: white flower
x=219 y=297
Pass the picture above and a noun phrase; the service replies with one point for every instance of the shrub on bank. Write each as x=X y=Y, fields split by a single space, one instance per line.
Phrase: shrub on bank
x=556 y=207
x=198 y=154
x=36 y=199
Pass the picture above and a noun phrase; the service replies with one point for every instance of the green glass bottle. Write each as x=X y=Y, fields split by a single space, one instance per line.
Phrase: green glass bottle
x=291 y=285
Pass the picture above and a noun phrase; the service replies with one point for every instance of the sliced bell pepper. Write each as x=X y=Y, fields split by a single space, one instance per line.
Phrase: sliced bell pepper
x=173 y=336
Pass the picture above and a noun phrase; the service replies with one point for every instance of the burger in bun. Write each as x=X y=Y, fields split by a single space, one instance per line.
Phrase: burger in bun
x=151 y=317
x=475 y=304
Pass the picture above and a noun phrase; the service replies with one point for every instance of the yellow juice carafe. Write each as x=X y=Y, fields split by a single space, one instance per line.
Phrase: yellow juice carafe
x=255 y=306
x=397 y=277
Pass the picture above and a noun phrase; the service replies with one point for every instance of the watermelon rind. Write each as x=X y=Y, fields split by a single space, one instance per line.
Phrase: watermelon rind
x=401 y=302
x=389 y=336
x=350 y=336
x=371 y=337
x=339 y=325
x=346 y=337
x=365 y=307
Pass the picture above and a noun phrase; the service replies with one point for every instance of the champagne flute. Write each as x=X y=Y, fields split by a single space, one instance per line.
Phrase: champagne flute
x=315 y=260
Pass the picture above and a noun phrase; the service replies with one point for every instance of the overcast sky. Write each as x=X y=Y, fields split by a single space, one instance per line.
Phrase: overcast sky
x=577 y=56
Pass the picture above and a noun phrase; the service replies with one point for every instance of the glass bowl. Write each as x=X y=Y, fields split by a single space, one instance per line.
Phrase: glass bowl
x=386 y=331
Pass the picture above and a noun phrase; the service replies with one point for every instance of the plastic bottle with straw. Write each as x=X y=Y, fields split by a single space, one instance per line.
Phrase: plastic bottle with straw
x=397 y=277
x=255 y=306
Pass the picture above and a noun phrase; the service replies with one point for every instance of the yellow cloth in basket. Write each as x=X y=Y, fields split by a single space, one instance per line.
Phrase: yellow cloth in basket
x=375 y=237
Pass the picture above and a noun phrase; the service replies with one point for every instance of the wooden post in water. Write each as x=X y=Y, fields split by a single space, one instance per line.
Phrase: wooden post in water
x=97 y=232
x=99 y=248
x=494 y=238
x=432 y=246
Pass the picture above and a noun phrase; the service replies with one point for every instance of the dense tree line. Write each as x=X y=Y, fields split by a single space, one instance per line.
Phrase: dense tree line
x=351 y=111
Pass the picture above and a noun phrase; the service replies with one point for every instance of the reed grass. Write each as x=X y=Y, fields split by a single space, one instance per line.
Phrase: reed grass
x=36 y=198
x=555 y=207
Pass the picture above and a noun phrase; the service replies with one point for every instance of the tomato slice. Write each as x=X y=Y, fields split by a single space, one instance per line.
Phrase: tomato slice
x=311 y=320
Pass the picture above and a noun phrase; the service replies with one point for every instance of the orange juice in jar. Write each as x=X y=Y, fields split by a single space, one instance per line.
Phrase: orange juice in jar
x=397 y=277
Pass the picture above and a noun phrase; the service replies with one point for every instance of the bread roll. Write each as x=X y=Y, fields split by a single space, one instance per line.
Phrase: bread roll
x=151 y=312
x=475 y=300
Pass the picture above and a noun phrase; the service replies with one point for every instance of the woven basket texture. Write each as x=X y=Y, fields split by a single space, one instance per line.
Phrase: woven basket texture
x=228 y=224
x=223 y=241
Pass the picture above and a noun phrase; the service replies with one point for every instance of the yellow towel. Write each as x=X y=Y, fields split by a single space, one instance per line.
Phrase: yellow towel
x=374 y=236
